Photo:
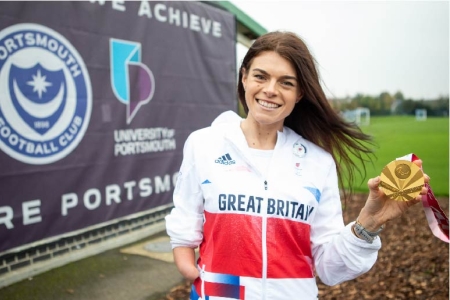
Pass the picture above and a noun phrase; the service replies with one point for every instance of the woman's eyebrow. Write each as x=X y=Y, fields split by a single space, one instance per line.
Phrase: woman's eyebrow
x=284 y=77
x=260 y=70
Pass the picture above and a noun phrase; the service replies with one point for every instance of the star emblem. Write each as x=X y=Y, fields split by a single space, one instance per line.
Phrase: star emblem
x=39 y=83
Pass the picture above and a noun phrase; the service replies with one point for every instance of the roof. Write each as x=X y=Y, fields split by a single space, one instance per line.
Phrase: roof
x=247 y=28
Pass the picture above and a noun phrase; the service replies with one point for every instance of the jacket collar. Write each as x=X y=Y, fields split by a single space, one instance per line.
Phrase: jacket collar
x=230 y=124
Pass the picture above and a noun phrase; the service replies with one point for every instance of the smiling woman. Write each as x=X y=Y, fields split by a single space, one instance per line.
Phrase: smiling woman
x=260 y=195
x=288 y=57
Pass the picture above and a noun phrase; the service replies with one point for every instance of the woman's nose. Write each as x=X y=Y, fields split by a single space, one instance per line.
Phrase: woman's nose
x=270 y=88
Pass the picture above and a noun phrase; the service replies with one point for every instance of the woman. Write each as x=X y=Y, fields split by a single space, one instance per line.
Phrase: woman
x=260 y=196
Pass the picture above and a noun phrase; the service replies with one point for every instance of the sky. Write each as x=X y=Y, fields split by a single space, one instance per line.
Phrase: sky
x=367 y=47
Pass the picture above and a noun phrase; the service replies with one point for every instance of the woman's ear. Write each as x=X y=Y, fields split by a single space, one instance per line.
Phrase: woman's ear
x=244 y=76
x=300 y=96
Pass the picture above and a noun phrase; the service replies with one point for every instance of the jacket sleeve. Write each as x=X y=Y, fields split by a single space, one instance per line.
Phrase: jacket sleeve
x=338 y=254
x=184 y=224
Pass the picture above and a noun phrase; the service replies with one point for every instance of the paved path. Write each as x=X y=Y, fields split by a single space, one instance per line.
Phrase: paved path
x=113 y=275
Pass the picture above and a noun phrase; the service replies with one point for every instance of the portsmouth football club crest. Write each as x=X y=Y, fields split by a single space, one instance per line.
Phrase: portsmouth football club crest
x=46 y=97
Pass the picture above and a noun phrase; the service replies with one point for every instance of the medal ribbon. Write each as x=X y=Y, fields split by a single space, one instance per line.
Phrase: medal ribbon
x=437 y=219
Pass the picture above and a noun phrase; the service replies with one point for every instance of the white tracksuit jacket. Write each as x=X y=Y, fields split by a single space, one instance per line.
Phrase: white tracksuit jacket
x=262 y=235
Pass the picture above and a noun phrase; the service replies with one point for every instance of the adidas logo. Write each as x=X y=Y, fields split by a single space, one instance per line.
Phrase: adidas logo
x=225 y=160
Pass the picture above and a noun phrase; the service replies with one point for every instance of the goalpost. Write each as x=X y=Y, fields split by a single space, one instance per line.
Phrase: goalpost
x=360 y=116
x=421 y=114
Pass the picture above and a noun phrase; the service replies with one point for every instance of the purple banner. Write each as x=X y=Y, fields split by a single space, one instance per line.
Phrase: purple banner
x=96 y=101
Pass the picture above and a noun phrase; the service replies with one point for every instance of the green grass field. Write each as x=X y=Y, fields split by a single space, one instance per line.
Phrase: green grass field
x=398 y=136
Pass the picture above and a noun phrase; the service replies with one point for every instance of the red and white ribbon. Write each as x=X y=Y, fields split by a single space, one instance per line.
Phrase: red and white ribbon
x=437 y=219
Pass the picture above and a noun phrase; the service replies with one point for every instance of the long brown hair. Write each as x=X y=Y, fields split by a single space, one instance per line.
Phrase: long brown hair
x=313 y=117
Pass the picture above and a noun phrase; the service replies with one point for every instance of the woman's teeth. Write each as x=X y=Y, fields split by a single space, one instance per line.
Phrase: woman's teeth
x=268 y=104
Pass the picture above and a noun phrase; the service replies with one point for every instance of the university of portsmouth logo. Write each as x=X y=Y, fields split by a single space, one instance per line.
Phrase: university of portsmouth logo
x=132 y=82
x=46 y=97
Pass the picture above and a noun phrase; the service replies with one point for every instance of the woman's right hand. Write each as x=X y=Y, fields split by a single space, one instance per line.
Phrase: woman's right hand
x=190 y=272
x=185 y=262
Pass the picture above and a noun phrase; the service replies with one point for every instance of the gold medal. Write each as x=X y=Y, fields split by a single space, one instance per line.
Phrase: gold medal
x=401 y=180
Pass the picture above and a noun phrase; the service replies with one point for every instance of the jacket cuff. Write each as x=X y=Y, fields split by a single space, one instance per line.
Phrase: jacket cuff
x=176 y=245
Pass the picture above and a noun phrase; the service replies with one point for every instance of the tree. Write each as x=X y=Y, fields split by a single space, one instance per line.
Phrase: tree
x=386 y=101
x=399 y=96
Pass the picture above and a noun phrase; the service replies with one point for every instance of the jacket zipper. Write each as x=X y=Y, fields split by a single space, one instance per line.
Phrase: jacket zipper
x=264 y=219
x=264 y=244
x=202 y=277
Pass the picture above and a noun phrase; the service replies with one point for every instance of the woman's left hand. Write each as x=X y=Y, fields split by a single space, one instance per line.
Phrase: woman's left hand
x=379 y=208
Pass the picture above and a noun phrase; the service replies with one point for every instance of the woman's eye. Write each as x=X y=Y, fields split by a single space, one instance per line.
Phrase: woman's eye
x=288 y=83
x=258 y=76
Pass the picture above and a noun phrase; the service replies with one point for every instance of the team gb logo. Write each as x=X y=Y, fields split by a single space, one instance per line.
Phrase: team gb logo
x=46 y=97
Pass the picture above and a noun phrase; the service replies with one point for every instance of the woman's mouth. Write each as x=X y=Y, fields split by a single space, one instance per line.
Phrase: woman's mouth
x=267 y=104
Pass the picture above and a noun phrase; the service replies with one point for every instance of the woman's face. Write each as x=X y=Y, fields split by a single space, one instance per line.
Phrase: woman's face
x=271 y=89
